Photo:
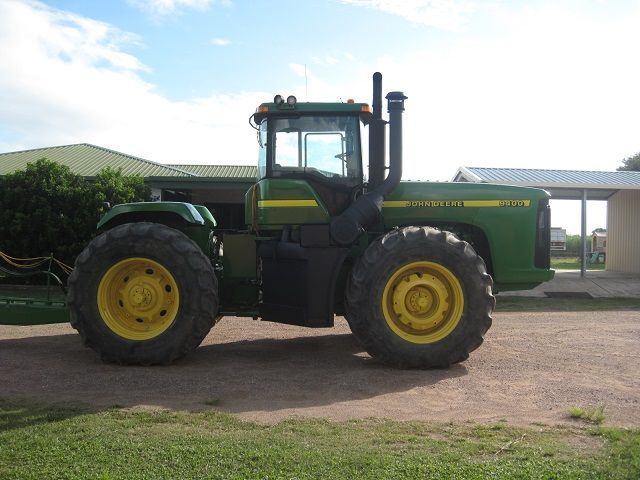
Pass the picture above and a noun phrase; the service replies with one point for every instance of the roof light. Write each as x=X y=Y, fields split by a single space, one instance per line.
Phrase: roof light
x=263 y=108
x=365 y=108
x=351 y=100
x=291 y=100
x=278 y=99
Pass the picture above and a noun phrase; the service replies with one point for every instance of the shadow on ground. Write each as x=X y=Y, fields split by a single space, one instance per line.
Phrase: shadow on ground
x=23 y=413
x=262 y=374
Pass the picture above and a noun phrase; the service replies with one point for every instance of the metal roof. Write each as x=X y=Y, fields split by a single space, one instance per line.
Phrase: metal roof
x=87 y=160
x=248 y=172
x=567 y=184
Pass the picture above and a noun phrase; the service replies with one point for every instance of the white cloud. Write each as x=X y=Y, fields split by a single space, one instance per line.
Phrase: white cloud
x=220 y=42
x=299 y=70
x=67 y=80
x=551 y=88
x=442 y=14
x=326 y=61
x=167 y=7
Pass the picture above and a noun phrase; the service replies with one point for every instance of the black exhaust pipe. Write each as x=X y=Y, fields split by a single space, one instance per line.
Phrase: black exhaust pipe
x=365 y=211
x=377 y=135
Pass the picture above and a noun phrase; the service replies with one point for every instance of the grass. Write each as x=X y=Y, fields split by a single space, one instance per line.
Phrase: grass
x=44 y=441
x=573 y=263
x=543 y=304
x=588 y=414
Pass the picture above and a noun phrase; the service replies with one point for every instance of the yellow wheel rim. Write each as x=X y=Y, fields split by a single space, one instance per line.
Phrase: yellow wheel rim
x=138 y=299
x=423 y=302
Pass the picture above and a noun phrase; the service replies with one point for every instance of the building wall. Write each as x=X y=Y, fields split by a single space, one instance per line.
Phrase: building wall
x=558 y=239
x=623 y=231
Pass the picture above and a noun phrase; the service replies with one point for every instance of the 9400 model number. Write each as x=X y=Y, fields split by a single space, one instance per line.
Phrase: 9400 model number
x=513 y=203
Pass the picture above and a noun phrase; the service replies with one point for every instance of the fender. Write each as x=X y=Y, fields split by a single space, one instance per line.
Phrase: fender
x=185 y=211
x=194 y=221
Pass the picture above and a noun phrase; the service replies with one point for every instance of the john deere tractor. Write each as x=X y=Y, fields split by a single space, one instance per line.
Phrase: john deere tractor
x=412 y=266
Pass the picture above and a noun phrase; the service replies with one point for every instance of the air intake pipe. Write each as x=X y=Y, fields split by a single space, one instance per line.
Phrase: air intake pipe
x=365 y=211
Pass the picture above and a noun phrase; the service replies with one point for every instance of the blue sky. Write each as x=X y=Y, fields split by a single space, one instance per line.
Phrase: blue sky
x=495 y=83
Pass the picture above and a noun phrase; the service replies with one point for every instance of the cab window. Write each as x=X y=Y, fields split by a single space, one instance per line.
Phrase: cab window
x=321 y=146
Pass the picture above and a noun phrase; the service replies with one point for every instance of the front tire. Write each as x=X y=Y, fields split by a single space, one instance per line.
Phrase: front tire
x=142 y=293
x=419 y=298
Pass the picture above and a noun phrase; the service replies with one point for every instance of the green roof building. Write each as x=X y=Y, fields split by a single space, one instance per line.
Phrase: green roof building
x=220 y=187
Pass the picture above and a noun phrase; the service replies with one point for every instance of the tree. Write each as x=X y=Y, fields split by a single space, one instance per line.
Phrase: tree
x=48 y=209
x=631 y=163
x=574 y=244
x=111 y=186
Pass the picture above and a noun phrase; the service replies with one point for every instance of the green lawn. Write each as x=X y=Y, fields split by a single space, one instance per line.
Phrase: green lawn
x=60 y=442
x=573 y=263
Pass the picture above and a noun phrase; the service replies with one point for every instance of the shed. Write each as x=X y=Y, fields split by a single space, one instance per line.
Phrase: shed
x=599 y=240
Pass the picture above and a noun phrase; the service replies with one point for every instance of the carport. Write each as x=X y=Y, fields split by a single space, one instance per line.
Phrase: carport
x=621 y=191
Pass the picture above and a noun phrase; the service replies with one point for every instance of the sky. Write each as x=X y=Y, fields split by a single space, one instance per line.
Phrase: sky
x=496 y=83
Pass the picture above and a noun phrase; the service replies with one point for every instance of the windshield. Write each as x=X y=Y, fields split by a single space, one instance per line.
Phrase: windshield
x=325 y=146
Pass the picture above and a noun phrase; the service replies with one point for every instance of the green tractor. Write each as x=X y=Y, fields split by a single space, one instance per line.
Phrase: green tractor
x=412 y=266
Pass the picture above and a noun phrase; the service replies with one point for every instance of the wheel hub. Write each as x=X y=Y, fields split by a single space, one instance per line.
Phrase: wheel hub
x=138 y=298
x=423 y=302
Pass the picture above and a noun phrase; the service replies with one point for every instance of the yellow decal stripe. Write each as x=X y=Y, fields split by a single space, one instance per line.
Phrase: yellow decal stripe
x=286 y=203
x=456 y=203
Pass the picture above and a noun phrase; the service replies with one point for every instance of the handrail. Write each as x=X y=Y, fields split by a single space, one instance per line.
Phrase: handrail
x=34 y=263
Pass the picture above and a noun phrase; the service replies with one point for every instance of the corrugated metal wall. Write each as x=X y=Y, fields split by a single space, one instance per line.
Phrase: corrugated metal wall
x=623 y=229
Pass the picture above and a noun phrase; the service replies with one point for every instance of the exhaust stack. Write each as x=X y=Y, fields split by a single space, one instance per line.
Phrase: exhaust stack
x=365 y=211
x=377 y=135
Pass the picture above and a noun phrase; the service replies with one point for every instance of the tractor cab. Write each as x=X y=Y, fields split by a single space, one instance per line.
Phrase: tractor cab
x=309 y=205
x=319 y=143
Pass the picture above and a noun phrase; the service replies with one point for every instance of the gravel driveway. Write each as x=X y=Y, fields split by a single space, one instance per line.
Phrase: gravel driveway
x=531 y=368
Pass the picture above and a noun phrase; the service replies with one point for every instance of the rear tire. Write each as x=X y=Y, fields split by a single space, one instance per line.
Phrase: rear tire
x=142 y=293
x=419 y=298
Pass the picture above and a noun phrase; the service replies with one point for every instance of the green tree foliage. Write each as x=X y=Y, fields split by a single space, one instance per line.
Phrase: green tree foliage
x=574 y=244
x=110 y=186
x=631 y=163
x=47 y=209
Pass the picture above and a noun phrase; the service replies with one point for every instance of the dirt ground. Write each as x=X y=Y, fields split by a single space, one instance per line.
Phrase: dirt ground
x=531 y=368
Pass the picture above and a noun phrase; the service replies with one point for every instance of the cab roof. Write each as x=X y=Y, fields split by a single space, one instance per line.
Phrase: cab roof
x=309 y=108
